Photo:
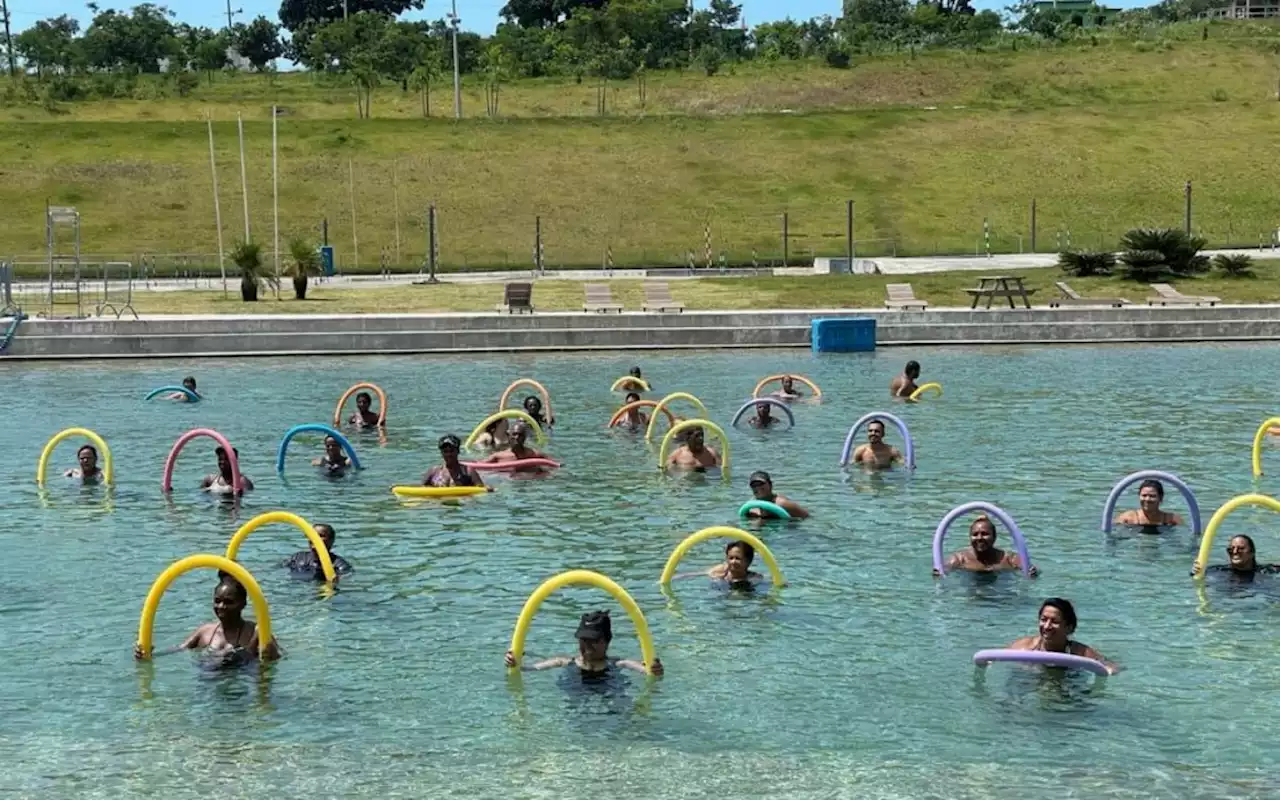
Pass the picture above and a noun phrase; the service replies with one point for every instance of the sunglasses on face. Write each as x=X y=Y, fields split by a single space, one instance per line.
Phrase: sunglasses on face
x=1237 y=549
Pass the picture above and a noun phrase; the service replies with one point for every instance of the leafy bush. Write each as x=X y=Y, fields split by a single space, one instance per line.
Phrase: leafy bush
x=1083 y=263
x=1235 y=265
x=710 y=58
x=1151 y=253
x=185 y=83
x=837 y=56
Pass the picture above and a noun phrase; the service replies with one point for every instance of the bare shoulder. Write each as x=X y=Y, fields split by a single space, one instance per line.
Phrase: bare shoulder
x=1025 y=643
x=1127 y=517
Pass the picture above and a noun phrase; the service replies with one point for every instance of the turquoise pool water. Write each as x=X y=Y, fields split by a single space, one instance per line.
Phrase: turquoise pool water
x=854 y=681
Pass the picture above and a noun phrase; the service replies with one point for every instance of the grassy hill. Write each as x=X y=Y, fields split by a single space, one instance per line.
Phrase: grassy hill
x=928 y=146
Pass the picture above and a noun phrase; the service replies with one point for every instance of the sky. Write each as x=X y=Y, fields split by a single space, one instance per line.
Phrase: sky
x=477 y=15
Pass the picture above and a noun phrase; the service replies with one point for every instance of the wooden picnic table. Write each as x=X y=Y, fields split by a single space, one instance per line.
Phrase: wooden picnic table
x=993 y=286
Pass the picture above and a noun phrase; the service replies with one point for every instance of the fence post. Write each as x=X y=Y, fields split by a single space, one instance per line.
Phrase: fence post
x=324 y=231
x=433 y=245
x=537 y=243
x=1033 y=224
x=786 y=237
x=848 y=231
x=986 y=236
x=707 y=237
x=1186 y=222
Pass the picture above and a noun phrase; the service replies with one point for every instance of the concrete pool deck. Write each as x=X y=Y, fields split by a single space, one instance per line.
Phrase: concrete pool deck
x=182 y=336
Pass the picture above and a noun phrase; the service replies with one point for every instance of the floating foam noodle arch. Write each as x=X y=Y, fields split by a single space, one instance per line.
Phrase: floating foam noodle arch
x=665 y=448
x=539 y=436
x=721 y=532
x=580 y=577
x=108 y=473
x=1257 y=444
x=817 y=392
x=1019 y=541
x=1211 y=530
x=620 y=382
x=620 y=413
x=936 y=388
x=191 y=396
x=377 y=390
x=772 y=401
x=909 y=454
x=146 y=624
x=1042 y=657
x=313 y=427
x=317 y=544
x=530 y=382
x=662 y=406
x=166 y=481
x=1109 y=510
x=764 y=505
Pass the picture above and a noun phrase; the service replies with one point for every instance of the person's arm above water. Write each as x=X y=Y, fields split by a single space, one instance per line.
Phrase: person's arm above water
x=273 y=650
x=198 y=638
x=551 y=663
x=793 y=508
x=1085 y=651
x=245 y=484
x=1014 y=561
x=956 y=561
x=859 y=454
x=476 y=478
x=637 y=666
x=1127 y=518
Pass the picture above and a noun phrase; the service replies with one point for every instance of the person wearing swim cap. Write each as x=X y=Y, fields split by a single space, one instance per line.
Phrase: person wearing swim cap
x=451 y=471
x=983 y=555
x=221 y=482
x=364 y=416
x=1057 y=623
x=694 y=454
x=232 y=638
x=306 y=563
x=763 y=417
x=905 y=384
x=634 y=418
x=533 y=407
x=762 y=489
x=516 y=451
x=595 y=631
x=188 y=383
x=788 y=390
x=875 y=454
x=1242 y=560
x=88 y=471
x=334 y=461
x=1148 y=514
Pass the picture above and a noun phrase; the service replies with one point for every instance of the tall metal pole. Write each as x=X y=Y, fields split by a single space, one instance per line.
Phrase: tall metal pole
x=537 y=243
x=395 y=208
x=8 y=38
x=433 y=249
x=1186 y=222
x=848 y=231
x=217 y=208
x=344 y=9
x=275 y=197
x=457 y=79
x=786 y=237
x=355 y=240
x=244 y=180
x=1033 y=224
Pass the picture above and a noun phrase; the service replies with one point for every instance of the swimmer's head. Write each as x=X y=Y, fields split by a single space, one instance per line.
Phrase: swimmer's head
x=912 y=370
x=363 y=401
x=189 y=382
x=875 y=431
x=1057 y=619
x=695 y=438
x=763 y=410
x=632 y=397
x=332 y=449
x=533 y=405
x=982 y=534
x=327 y=535
x=1241 y=553
x=88 y=458
x=1150 y=494
x=788 y=384
x=761 y=485
x=595 y=631
x=229 y=598
x=518 y=432
x=224 y=463
x=737 y=559
x=635 y=372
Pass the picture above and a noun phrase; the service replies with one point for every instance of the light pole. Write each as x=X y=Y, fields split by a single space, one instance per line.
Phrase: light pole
x=457 y=80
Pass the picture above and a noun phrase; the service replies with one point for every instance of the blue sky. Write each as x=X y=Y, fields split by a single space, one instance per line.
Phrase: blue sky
x=477 y=15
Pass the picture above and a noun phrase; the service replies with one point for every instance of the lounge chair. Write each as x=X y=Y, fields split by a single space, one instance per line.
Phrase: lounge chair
x=1070 y=297
x=517 y=298
x=600 y=299
x=657 y=297
x=1166 y=295
x=902 y=297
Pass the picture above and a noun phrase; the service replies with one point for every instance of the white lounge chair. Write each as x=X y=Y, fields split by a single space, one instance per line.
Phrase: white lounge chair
x=657 y=297
x=901 y=296
x=600 y=299
x=1166 y=295
x=1070 y=297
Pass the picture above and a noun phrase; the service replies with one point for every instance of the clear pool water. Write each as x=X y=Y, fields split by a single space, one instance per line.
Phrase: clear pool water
x=855 y=681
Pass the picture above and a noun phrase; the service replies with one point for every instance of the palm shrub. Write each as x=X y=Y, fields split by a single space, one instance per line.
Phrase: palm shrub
x=248 y=257
x=304 y=261
x=1234 y=265
x=1083 y=263
x=1151 y=253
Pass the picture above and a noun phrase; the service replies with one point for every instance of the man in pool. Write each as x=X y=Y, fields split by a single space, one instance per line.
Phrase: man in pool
x=595 y=631
x=451 y=472
x=1148 y=514
x=519 y=431
x=905 y=384
x=306 y=563
x=762 y=489
x=334 y=461
x=88 y=471
x=875 y=454
x=364 y=417
x=763 y=417
x=635 y=418
x=1242 y=560
x=788 y=390
x=694 y=454
x=634 y=385
x=221 y=483
x=188 y=383
x=533 y=407
x=1057 y=623
x=983 y=555
x=232 y=636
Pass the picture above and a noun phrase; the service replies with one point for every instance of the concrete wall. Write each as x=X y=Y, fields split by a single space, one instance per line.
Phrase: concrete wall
x=426 y=333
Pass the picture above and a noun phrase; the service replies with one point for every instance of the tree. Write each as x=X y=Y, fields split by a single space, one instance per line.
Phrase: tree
x=430 y=65
x=294 y=14
x=888 y=13
x=353 y=47
x=138 y=41
x=49 y=44
x=1150 y=253
x=545 y=13
x=258 y=42
x=779 y=40
x=400 y=51
x=211 y=56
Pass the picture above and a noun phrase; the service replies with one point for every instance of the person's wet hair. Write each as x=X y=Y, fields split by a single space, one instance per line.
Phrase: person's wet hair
x=632 y=397
x=1064 y=607
x=189 y=382
x=365 y=396
x=88 y=447
x=635 y=372
x=222 y=451
x=912 y=368
x=235 y=585
x=1252 y=547
x=1153 y=484
x=879 y=422
x=532 y=402
x=748 y=552
x=449 y=440
x=983 y=519
x=326 y=530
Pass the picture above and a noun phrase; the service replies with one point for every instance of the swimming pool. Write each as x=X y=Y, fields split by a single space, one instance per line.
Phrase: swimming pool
x=854 y=681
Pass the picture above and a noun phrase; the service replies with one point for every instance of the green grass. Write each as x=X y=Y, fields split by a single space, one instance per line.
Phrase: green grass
x=941 y=289
x=1102 y=138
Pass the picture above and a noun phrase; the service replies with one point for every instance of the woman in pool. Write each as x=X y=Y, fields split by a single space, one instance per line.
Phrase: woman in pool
x=533 y=407
x=334 y=461
x=983 y=555
x=1242 y=560
x=635 y=418
x=188 y=383
x=633 y=385
x=451 y=472
x=232 y=638
x=1148 y=514
x=595 y=631
x=1057 y=623
x=88 y=471
x=493 y=437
